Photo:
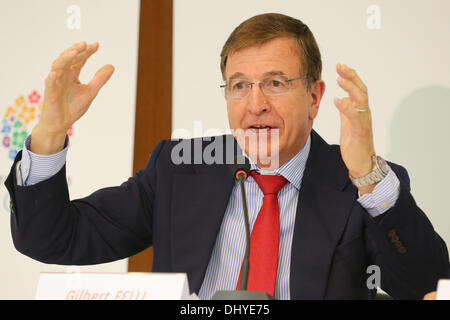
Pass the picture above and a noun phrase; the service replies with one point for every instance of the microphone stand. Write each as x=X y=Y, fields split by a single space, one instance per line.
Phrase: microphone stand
x=241 y=173
x=246 y=263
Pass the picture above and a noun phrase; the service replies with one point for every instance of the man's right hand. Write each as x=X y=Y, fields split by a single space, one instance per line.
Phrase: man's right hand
x=65 y=98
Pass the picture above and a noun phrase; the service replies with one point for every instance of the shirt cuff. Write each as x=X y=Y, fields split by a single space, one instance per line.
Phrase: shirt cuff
x=383 y=197
x=35 y=168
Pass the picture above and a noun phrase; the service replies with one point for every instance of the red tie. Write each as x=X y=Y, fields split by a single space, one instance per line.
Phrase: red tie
x=265 y=237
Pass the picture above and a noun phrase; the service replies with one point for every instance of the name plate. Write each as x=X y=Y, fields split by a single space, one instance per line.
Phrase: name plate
x=113 y=286
x=443 y=290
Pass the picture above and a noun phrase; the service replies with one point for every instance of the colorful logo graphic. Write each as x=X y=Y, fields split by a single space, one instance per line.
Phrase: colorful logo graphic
x=18 y=121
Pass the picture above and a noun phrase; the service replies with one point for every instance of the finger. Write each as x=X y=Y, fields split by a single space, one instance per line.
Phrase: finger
x=344 y=110
x=75 y=46
x=430 y=296
x=354 y=92
x=346 y=107
x=343 y=105
x=100 y=78
x=82 y=57
x=50 y=81
x=350 y=74
x=65 y=59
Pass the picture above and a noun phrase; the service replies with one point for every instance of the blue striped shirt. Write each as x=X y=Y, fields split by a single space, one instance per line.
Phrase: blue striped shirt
x=228 y=253
x=35 y=168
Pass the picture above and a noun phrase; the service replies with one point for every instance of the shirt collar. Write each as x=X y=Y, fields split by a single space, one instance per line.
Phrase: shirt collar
x=292 y=170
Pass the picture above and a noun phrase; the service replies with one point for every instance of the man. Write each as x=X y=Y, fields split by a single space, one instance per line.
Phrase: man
x=337 y=209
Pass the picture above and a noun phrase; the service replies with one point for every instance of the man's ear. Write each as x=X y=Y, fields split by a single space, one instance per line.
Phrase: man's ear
x=316 y=93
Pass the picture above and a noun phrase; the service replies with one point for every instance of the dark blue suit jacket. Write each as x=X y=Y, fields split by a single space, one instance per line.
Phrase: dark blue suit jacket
x=179 y=209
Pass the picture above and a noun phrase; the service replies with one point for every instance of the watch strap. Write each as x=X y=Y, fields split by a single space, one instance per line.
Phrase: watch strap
x=377 y=174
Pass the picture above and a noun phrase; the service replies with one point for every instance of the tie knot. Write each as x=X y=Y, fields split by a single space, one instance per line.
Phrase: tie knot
x=269 y=184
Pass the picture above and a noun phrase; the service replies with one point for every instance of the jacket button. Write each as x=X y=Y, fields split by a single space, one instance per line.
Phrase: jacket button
x=392 y=232
x=401 y=250
x=399 y=246
x=394 y=239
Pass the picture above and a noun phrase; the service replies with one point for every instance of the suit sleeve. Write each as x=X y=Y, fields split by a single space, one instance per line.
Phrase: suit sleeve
x=412 y=257
x=110 y=224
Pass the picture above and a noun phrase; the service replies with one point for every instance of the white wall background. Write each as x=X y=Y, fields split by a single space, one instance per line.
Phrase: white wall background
x=33 y=34
x=405 y=64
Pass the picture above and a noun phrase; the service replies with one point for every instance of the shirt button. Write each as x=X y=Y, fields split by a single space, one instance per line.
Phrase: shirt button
x=384 y=205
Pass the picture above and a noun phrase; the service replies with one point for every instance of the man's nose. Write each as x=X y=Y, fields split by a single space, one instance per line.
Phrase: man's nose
x=257 y=100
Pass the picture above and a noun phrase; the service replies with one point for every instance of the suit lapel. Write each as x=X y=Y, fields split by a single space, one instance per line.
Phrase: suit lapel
x=322 y=212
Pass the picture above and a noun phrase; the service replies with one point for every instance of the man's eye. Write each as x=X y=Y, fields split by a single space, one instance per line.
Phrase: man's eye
x=239 y=86
x=276 y=83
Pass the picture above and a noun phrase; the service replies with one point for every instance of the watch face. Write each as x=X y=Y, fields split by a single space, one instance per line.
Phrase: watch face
x=382 y=164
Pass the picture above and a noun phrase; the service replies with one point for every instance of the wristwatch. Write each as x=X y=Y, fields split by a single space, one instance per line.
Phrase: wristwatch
x=379 y=171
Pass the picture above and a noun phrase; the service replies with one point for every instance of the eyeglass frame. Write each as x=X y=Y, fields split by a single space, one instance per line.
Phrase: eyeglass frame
x=225 y=85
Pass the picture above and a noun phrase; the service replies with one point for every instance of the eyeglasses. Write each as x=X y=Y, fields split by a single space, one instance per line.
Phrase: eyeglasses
x=272 y=86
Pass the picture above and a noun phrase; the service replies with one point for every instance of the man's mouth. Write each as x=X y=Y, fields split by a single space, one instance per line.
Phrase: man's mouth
x=261 y=128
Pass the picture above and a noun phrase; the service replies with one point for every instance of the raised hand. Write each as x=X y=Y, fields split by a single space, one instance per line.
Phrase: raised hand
x=356 y=142
x=65 y=98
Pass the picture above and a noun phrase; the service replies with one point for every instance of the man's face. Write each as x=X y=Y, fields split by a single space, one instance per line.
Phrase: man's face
x=292 y=113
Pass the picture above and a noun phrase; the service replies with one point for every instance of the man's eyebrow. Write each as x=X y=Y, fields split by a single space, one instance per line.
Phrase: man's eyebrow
x=238 y=75
x=275 y=73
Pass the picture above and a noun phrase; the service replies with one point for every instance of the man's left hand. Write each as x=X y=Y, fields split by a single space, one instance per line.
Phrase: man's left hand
x=356 y=142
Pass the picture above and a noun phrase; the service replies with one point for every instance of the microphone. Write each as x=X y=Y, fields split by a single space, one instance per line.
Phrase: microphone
x=240 y=169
